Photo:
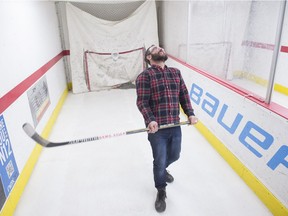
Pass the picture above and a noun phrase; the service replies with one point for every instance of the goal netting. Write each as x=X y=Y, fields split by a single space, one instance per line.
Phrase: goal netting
x=110 y=70
x=106 y=53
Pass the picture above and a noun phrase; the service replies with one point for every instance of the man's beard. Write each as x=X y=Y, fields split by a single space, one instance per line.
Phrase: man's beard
x=158 y=57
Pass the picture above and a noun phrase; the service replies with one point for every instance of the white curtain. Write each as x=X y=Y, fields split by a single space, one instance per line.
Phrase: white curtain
x=104 y=54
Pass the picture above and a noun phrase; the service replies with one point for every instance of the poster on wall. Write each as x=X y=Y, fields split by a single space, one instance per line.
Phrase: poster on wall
x=39 y=100
x=8 y=167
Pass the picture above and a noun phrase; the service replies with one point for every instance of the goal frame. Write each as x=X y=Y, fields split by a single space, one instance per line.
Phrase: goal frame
x=86 y=68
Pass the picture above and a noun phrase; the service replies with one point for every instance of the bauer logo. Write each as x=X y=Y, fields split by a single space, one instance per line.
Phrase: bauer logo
x=8 y=168
x=252 y=136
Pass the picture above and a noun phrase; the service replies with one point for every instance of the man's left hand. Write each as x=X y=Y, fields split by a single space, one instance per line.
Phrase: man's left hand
x=193 y=120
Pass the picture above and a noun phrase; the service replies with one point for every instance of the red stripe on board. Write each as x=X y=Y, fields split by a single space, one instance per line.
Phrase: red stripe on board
x=274 y=107
x=258 y=45
x=66 y=52
x=18 y=90
x=284 y=49
x=263 y=46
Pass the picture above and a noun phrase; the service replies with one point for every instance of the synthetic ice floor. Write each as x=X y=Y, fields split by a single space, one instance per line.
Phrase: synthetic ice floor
x=113 y=177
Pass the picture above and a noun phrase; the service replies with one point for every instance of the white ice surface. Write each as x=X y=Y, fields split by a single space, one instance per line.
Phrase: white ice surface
x=113 y=177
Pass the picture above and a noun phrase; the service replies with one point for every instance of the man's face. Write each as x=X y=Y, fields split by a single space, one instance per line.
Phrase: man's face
x=158 y=54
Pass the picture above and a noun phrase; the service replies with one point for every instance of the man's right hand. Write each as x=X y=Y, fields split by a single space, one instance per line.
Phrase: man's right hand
x=153 y=127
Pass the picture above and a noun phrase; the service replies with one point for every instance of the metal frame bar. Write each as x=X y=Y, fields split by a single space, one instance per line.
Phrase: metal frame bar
x=275 y=52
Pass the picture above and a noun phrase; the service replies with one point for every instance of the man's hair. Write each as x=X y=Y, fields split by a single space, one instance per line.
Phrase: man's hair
x=148 y=53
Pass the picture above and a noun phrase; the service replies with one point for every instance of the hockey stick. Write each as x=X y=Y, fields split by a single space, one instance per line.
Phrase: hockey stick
x=29 y=130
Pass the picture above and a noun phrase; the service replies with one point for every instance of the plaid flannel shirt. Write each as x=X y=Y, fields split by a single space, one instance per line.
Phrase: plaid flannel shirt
x=159 y=92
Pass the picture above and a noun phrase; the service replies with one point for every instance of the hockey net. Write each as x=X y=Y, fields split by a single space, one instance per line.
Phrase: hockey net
x=106 y=54
x=106 y=70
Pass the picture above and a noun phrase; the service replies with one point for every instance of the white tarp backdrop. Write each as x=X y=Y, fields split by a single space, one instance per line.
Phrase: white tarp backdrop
x=104 y=54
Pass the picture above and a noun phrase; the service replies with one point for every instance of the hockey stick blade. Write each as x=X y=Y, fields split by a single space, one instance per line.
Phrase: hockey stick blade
x=29 y=130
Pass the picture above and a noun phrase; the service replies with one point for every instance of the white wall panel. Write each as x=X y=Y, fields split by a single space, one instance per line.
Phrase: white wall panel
x=29 y=43
x=27 y=31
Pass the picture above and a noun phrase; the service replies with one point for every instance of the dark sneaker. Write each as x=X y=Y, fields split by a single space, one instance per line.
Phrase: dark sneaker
x=169 y=177
x=160 y=204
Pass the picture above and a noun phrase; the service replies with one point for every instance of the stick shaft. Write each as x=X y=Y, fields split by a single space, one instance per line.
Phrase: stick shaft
x=46 y=143
x=161 y=127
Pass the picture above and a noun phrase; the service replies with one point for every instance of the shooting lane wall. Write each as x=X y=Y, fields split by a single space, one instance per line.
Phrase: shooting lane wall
x=32 y=90
x=222 y=39
x=251 y=138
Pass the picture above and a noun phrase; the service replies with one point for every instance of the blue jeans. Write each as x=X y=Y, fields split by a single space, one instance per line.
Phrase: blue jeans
x=166 y=147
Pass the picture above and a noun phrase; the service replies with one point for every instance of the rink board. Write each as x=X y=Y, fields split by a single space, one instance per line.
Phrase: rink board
x=252 y=133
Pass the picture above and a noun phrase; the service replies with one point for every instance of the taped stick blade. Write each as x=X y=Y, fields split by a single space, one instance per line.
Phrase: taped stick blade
x=29 y=130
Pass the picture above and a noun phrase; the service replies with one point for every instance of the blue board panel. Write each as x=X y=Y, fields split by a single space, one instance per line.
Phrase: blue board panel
x=8 y=167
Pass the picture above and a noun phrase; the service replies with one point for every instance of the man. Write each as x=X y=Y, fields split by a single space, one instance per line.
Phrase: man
x=160 y=89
